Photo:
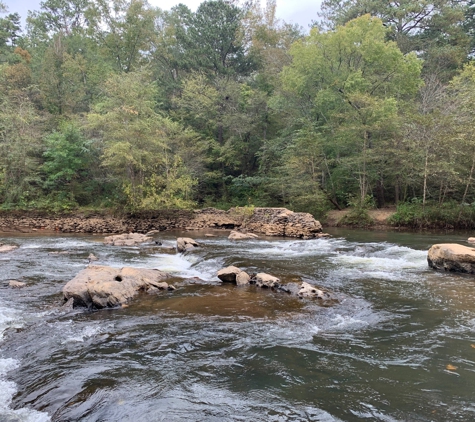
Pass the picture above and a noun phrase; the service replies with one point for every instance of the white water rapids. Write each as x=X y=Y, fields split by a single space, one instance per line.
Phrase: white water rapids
x=208 y=352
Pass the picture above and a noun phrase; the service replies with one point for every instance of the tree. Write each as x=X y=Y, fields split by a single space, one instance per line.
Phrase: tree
x=69 y=161
x=433 y=29
x=353 y=80
x=212 y=38
x=125 y=30
x=142 y=148
x=20 y=146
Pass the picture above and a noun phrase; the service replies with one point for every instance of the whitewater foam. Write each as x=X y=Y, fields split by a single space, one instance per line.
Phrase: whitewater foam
x=10 y=318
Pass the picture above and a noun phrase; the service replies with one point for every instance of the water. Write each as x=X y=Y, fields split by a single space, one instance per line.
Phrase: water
x=224 y=353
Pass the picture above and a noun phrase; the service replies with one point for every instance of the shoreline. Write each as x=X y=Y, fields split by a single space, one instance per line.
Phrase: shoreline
x=266 y=221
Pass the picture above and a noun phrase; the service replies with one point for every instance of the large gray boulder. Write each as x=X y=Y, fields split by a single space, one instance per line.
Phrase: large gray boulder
x=128 y=239
x=452 y=257
x=105 y=287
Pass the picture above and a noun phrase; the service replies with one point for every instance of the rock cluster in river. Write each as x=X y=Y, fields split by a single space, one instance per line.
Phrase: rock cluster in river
x=237 y=276
x=452 y=257
x=101 y=286
x=267 y=221
x=128 y=239
x=184 y=244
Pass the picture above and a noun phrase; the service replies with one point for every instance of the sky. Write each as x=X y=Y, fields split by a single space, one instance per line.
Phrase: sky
x=301 y=12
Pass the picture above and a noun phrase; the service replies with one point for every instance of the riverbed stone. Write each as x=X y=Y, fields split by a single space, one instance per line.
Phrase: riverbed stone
x=7 y=248
x=471 y=240
x=228 y=274
x=308 y=290
x=102 y=286
x=16 y=284
x=452 y=257
x=235 y=235
x=243 y=278
x=265 y=280
x=184 y=244
x=127 y=239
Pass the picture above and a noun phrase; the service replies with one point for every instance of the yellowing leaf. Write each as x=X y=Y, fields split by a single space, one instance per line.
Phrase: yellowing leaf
x=450 y=367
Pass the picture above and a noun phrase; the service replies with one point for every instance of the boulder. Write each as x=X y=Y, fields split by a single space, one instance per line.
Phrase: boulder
x=128 y=239
x=471 y=240
x=184 y=244
x=234 y=275
x=16 y=284
x=228 y=274
x=234 y=235
x=92 y=257
x=152 y=232
x=283 y=222
x=307 y=290
x=452 y=257
x=243 y=278
x=266 y=281
x=101 y=286
x=7 y=248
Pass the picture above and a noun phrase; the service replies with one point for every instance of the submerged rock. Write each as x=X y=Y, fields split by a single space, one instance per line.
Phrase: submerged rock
x=7 y=248
x=152 y=232
x=128 y=239
x=307 y=290
x=235 y=235
x=92 y=257
x=102 y=286
x=452 y=257
x=16 y=284
x=184 y=244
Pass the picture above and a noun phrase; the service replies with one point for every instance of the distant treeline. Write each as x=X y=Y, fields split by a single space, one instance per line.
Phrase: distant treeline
x=115 y=103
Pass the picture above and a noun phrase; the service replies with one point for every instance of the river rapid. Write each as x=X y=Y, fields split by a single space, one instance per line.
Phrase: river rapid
x=398 y=346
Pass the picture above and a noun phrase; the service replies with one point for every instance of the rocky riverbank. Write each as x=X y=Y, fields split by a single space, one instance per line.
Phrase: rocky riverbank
x=266 y=221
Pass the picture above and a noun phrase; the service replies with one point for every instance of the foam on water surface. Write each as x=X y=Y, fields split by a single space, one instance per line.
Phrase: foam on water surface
x=12 y=319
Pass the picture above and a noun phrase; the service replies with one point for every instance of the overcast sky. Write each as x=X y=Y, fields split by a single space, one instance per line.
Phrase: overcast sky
x=292 y=11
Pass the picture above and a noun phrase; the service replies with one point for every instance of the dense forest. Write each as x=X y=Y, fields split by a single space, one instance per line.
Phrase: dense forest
x=118 y=104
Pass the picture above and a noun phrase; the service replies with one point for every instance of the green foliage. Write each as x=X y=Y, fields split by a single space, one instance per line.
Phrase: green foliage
x=449 y=215
x=140 y=145
x=358 y=215
x=119 y=104
x=243 y=213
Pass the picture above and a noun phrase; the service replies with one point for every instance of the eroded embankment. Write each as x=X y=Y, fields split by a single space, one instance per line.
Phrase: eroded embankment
x=268 y=221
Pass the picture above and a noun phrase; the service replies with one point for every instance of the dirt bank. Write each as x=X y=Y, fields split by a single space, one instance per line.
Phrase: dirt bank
x=268 y=221
x=379 y=216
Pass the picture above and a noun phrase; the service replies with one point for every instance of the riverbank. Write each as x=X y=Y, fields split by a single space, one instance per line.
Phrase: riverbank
x=380 y=217
x=267 y=221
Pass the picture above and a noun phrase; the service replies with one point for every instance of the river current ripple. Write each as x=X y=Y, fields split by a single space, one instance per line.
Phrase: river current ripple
x=398 y=346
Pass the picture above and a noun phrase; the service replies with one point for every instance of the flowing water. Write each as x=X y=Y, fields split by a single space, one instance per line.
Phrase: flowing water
x=398 y=346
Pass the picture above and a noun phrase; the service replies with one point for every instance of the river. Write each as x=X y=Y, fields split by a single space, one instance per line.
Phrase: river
x=398 y=346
